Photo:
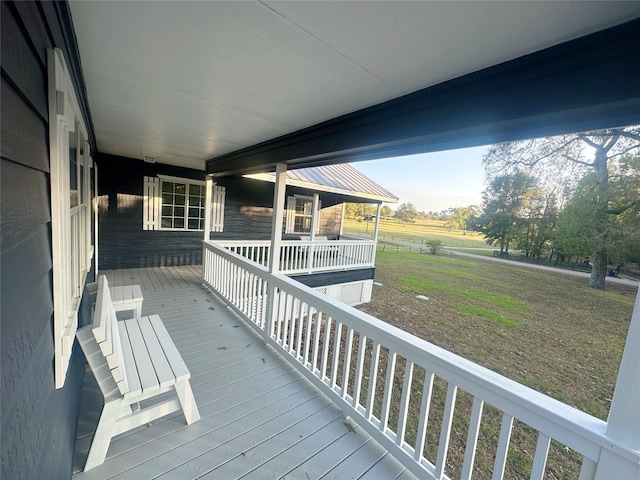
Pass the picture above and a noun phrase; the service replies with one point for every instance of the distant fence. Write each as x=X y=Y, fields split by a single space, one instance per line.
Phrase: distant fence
x=583 y=266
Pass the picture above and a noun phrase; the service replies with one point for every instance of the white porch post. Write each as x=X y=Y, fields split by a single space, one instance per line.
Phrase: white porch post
x=314 y=229
x=314 y=216
x=344 y=208
x=377 y=227
x=623 y=424
x=279 y=191
x=278 y=213
x=207 y=207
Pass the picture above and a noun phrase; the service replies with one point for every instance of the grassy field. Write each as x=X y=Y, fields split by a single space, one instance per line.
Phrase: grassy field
x=545 y=330
x=416 y=232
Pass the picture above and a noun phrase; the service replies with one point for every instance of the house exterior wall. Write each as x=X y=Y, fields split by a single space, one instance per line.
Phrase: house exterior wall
x=38 y=421
x=124 y=244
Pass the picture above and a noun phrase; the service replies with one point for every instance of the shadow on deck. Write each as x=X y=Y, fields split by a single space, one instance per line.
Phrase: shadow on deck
x=260 y=417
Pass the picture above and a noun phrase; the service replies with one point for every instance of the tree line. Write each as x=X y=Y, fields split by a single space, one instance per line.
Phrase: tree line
x=455 y=217
x=572 y=196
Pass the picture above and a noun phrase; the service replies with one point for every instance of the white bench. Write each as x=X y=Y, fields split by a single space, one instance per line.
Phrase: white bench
x=127 y=297
x=133 y=361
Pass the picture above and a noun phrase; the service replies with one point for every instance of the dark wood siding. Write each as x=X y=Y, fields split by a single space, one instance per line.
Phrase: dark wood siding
x=248 y=210
x=38 y=421
x=124 y=244
x=122 y=241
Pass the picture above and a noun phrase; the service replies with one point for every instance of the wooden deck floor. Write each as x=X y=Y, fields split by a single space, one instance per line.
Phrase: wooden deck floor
x=260 y=418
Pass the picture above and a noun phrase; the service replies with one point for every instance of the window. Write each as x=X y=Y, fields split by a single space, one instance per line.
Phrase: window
x=180 y=204
x=303 y=213
x=299 y=214
x=71 y=198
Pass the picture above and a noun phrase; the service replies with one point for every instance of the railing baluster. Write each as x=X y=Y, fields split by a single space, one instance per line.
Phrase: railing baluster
x=347 y=362
x=472 y=438
x=425 y=405
x=373 y=376
x=286 y=321
x=307 y=337
x=357 y=379
x=388 y=390
x=251 y=297
x=503 y=447
x=404 y=402
x=540 y=457
x=325 y=348
x=336 y=353
x=299 y=328
x=277 y=302
x=316 y=342
x=295 y=315
x=445 y=431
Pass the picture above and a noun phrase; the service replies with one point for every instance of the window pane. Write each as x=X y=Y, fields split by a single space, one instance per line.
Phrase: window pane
x=167 y=187
x=194 y=189
x=179 y=199
x=73 y=170
x=181 y=188
x=193 y=224
x=166 y=222
x=83 y=198
x=167 y=199
x=178 y=223
x=178 y=211
x=194 y=212
x=194 y=201
x=167 y=210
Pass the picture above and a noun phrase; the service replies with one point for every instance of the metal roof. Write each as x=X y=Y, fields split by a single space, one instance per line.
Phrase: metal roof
x=342 y=179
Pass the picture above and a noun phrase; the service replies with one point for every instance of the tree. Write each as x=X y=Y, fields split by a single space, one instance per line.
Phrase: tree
x=566 y=159
x=458 y=217
x=358 y=210
x=406 y=213
x=386 y=212
x=576 y=233
x=503 y=201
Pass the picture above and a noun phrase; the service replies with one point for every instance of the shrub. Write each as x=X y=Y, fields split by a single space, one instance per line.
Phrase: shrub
x=434 y=246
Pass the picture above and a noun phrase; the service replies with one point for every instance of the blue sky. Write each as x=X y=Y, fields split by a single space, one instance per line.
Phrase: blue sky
x=431 y=181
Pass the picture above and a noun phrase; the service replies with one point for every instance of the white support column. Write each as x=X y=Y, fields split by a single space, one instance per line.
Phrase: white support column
x=314 y=228
x=623 y=424
x=315 y=216
x=279 y=191
x=377 y=227
x=207 y=207
x=278 y=214
x=344 y=207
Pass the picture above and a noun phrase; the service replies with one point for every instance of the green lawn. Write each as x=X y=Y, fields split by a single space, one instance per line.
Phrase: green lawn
x=543 y=329
x=416 y=232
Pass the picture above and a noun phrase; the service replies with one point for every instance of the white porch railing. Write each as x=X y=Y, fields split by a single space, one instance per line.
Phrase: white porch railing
x=405 y=392
x=303 y=256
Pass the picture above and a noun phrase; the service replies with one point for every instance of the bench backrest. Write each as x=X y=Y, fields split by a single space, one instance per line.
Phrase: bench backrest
x=107 y=334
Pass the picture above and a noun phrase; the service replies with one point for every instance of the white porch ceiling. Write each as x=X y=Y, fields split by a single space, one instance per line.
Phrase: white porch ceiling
x=188 y=81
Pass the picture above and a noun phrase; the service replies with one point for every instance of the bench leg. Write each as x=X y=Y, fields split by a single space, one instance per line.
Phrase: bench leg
x=187 y=401
x=104 y=432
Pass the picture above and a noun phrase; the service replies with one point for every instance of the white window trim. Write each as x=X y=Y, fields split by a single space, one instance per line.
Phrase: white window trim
x=290 y=220
x=152 y=205
x=68 y=276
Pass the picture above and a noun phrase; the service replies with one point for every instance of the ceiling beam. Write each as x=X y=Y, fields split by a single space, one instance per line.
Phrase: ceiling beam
x=589 y=83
